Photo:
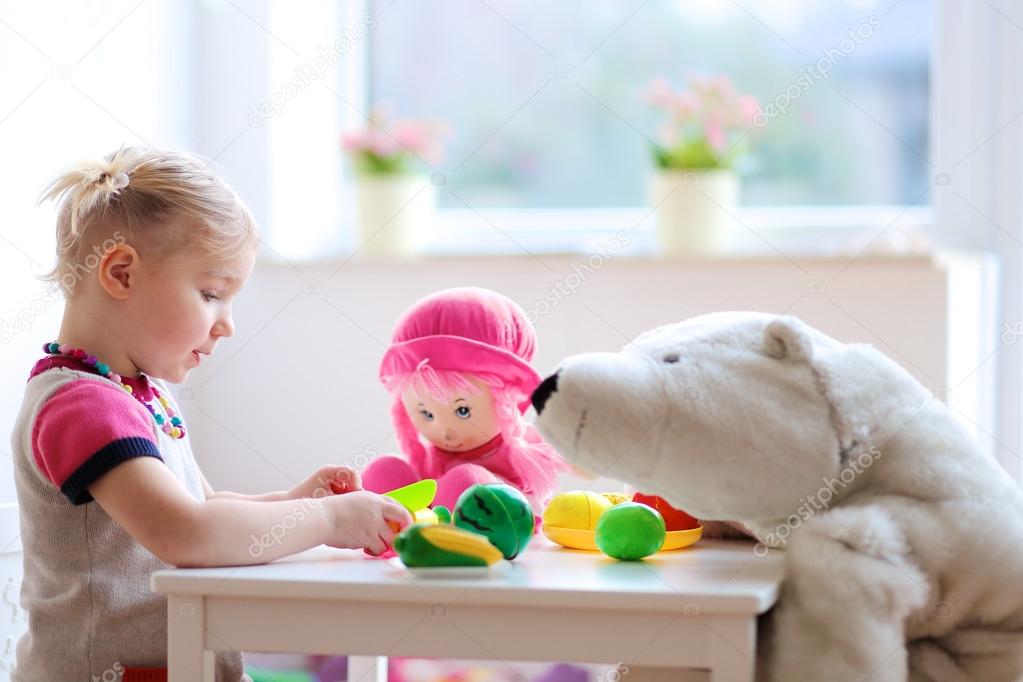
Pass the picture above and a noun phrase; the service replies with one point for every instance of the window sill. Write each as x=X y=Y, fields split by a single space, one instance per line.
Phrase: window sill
x=776 y=232
x=783 y=230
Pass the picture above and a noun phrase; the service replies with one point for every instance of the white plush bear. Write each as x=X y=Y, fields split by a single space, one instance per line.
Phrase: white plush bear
x=905 y=541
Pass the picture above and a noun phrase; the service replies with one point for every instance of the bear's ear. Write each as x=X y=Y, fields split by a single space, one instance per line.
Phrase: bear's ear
x=788 y=337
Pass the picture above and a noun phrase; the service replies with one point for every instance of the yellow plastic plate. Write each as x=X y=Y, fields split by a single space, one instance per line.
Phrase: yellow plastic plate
x=586 y=539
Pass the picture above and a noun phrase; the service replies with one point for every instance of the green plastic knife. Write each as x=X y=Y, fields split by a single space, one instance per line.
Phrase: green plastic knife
x=415 y=496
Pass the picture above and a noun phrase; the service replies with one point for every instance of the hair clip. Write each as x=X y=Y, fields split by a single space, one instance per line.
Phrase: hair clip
x=119 y=180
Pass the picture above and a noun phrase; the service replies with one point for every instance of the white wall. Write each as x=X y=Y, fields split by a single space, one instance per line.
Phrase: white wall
x=297 y=387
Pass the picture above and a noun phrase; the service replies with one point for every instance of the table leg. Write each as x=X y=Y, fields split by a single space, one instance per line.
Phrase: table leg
x=367 y=669
x=733 y=646
x=187 y=658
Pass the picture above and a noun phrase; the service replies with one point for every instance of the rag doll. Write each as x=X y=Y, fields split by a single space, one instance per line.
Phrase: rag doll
x=458 y=371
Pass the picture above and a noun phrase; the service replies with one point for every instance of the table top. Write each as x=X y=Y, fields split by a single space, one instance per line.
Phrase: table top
x=709 y=578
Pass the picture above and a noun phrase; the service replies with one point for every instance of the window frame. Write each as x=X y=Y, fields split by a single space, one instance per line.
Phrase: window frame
x=547 y=230
x=993 y=72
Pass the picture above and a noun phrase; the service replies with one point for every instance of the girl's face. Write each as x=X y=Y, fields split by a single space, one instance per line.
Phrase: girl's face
x=464 y=422
x=183 y=309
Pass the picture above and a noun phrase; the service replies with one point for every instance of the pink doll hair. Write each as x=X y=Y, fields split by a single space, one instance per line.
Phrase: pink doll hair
x=536 y=462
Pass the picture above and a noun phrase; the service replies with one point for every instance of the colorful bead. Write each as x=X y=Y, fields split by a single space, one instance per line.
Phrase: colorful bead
x=169 y=422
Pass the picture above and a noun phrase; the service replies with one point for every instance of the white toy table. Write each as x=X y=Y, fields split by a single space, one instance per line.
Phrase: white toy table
x=683 y=615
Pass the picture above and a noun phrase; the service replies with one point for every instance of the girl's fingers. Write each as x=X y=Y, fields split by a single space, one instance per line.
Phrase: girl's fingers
x=394 y=512
x=354 y=479
x=377 y=547
x=344 y=480
x=388 y=533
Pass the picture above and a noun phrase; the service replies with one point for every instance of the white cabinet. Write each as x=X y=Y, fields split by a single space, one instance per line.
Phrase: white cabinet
x=13 y=618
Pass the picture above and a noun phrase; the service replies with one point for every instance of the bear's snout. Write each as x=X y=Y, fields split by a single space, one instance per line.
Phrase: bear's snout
x=544 y=391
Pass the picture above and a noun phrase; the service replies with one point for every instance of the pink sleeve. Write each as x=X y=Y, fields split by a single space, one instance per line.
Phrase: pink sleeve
x=85 y=429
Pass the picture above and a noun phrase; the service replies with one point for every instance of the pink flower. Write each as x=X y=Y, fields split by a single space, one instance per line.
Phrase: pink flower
x=749 y=107
x=410 y=135
x=715 y=135
x=383 y=144
x=386 y=137
x=722 y=85
x=709 y=112
x=685 y=105
x=353 y=141
x=698 y=82
x=659 y=93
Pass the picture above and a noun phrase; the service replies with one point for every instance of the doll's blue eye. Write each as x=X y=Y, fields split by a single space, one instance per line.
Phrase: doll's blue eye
x=463 y=412
x=427 y=415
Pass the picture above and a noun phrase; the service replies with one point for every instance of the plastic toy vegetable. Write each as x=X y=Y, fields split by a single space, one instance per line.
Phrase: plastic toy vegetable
x=434 y=545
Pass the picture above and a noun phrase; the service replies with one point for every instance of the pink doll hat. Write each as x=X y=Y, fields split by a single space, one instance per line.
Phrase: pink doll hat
x=466 y=329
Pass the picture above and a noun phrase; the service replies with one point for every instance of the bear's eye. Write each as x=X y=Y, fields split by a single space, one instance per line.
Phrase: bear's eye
x=671 y=358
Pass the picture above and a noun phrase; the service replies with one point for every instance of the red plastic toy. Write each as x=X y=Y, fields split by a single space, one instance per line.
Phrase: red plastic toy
x=674 y=519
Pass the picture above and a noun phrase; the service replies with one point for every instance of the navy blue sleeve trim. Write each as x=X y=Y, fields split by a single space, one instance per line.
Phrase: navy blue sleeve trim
x=76 y=487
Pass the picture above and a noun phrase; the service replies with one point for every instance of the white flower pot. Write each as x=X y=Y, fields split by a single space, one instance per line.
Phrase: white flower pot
x=695 y=209
x=394 y=213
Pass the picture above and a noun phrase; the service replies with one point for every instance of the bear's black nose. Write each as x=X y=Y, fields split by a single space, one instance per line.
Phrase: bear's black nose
x=547 y=387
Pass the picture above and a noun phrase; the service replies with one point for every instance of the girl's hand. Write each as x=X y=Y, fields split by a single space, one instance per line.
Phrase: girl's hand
x=328 y=480
x=365 y=520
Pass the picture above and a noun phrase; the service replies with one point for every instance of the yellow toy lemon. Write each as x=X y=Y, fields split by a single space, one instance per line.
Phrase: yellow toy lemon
x=571 y=520
x=576 y=510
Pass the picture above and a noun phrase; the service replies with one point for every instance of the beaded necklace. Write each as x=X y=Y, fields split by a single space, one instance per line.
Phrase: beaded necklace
x=169 y=422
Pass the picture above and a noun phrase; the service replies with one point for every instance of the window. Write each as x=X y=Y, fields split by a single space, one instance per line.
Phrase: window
x=74 y=88
x=546 y=100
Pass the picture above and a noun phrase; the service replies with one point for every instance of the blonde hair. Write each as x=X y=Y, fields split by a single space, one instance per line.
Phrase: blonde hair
x=129 y=196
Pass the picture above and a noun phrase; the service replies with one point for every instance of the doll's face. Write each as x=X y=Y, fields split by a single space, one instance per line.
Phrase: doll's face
x=463 y=422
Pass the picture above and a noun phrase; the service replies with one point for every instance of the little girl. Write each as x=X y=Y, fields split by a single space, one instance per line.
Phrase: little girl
x=459 y=373
x=152 y=248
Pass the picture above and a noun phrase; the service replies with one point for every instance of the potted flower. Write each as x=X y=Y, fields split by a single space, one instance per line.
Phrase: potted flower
x=395 y=198
x=695 y=187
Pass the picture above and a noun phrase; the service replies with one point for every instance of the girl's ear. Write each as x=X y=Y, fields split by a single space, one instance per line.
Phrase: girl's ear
x=118 y=271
